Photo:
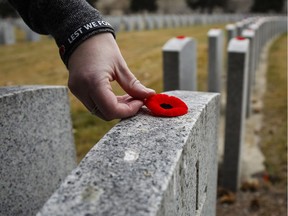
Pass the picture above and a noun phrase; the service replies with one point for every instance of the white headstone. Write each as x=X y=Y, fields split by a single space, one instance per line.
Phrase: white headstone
x=215 y=59
x=7 y=33
x=250 y=34
x=180 y=64
x=231 y=32
x=237 y=76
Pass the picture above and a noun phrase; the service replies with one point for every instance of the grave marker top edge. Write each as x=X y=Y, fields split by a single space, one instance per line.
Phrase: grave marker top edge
x=8 y=91
x=254 y=26
x=176 y=44
x=248 y=33
x=214 y=32
x=230 y=27
x=238 y=46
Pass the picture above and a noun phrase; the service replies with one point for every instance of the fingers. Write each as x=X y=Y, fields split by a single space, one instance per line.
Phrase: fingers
x=92 y=66
x=131 y=85
x=111 y=107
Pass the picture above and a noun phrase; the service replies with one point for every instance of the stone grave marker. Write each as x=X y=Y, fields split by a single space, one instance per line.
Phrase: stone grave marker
x=238 y=51
x=215 y=59
x=1 y=32
x=180 y=64
x=37 y=148
x=250 y=34
x=191 y=20
x=7 y=33
x=255 y=27
x=149 y=22
x=167 y=21
x=176 y=21
x=139 y=23
x=231 y=32
x=147 y=166
x=32 y=36
x=184 y=20
x=129 y=23
x=115 y=22
x=158 y=20
x=239 y=28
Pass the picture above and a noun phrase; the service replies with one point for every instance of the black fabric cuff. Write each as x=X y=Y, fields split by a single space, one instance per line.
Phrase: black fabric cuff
x=80 y=35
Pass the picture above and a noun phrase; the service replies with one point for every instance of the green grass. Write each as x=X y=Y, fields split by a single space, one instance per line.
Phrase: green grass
x=274 y=132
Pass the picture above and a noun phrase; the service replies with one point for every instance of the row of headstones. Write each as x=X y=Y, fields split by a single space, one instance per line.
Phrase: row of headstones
x=149 y=22
x=244 y=55
x=144 y=166
x=122 y=23
x=45 y=153
x=8 y=35
x=246 y=39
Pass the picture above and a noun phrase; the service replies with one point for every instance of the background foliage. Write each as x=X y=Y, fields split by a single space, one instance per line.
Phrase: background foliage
x=203 y=6
x=264 y=6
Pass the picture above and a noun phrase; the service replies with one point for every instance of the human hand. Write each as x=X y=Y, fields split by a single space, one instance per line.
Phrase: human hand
x=92 y=66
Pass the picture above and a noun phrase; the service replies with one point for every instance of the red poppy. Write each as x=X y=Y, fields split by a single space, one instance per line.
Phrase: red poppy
x=240 y=38
x=181 y=37
x=165 y=105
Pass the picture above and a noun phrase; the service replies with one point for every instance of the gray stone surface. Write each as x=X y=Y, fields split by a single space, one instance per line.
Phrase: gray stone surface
x=256 y=28
x=175 y=21
x=250 y=34
x=231 y=32
x=239 y=28
x=167 y=21
x=238 y=51
x=36 y=146
x=7 y=33
x=139 y=23
x=179 y=64
x=128 y=23
x=1 y=31
x=32 y=36
x=148 y=166
x=184 y=20
x=149 y=22
x=115 y=21
x=215 y=59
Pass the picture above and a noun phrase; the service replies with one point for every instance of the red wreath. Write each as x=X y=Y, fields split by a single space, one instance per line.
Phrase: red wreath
x=165 y=105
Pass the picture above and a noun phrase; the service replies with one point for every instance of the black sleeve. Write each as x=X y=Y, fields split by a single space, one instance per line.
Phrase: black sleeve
x=70 y=22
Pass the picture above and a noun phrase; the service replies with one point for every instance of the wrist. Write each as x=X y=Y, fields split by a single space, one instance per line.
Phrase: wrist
x=80 y=35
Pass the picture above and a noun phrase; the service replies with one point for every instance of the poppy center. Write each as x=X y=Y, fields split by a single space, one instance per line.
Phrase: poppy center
x=166 y=106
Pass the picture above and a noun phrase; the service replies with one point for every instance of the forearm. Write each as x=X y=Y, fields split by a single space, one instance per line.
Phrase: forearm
x=69 y=21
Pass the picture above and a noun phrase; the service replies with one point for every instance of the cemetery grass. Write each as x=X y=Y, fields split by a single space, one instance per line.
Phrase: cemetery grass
x=39 y=63
x=267 y=196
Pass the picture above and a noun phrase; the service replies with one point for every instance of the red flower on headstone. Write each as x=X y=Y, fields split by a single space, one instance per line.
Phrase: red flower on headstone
x=181 y=37
x=165 y=105
x=240 y=38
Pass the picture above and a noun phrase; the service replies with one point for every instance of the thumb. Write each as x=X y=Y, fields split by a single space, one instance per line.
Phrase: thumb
x=139 y=91
x=132 y=86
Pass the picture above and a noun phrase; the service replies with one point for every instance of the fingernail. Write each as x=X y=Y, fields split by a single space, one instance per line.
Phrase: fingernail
x=147 y=90
x=150 y=91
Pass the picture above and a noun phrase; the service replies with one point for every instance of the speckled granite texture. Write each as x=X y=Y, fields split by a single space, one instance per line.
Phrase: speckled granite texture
x=36 y=146
x=148 y=166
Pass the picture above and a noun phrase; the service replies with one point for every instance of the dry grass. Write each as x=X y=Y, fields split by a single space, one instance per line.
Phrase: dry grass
x=274 y=132
x=39 y=63
x=269 y=197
